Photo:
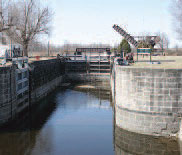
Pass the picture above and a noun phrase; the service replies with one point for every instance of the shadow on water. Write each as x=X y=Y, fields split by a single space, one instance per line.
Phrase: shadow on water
x=35 y=117
x=20 y=137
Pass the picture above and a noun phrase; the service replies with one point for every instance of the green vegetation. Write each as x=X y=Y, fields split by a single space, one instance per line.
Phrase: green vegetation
x=115 y=50
x=124 y=46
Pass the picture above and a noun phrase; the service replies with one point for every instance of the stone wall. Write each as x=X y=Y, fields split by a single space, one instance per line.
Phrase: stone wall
x=8 y=96
x=76 y=67
x=20 y=87
x=78 y=72
x=45 y=76
x=148 y=101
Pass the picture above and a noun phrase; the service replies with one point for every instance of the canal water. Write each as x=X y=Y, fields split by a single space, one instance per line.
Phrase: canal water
x=68 y=122
x=78 y=121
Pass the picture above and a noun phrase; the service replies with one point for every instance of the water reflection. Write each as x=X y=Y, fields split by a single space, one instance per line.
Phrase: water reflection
x=129 y=143
x=67 y=122
x=20 y=137
x=78 y=121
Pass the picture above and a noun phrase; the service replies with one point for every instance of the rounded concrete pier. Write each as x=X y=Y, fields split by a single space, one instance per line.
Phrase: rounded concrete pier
x=148 y=101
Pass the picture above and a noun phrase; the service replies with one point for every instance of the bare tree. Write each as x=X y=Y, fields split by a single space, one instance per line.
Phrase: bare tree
x=163 y=40
x=4 y=14
x=27 y=19
x=176 y=10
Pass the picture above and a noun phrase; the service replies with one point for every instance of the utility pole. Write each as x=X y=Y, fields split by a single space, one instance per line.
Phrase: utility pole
x=1 y=7
x=162 y=46
x=48 y=48
x=1 y=20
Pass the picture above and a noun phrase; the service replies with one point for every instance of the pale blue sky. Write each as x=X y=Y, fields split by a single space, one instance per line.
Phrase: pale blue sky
x=91 y=21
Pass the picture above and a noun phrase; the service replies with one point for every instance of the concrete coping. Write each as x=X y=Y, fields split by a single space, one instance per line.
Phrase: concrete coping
x=149 y=68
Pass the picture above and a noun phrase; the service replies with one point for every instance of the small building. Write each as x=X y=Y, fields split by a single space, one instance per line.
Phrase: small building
x=9 y=47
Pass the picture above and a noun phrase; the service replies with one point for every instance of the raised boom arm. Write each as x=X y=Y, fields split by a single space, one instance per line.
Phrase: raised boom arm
x=126 y=35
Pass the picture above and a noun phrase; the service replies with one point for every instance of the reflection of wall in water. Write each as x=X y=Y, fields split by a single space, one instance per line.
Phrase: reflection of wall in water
x=100 y=81
x=22 y=137
x=129 y=143
x=17 y=143
x=100 y=93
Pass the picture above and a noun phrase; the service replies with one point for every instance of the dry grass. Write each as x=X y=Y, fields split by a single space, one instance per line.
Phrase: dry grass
x=40 y=59
x=167 y=62
x=42 y=53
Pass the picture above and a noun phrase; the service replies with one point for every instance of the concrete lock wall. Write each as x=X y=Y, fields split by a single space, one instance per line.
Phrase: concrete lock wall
x=148 y=101
x=19 y=88
x=100 y=81
x=78 y=72
x=45 y=76
x=8 y=104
